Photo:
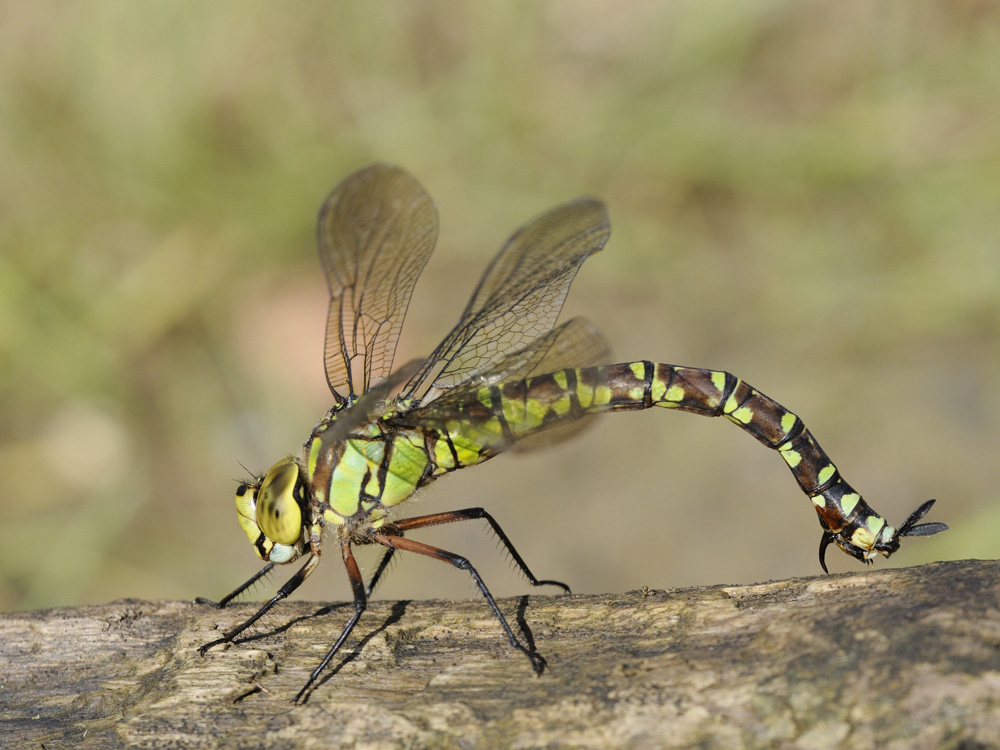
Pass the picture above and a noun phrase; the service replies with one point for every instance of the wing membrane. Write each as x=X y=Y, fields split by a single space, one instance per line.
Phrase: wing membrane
x=576 y=343
x=375 y=233
x=369 y=406
x=519 y=297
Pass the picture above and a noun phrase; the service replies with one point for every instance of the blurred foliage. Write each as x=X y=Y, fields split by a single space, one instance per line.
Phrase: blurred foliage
x=804 y=193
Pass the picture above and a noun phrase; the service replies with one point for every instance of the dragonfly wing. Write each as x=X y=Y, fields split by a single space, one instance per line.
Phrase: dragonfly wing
x=375 y=233
x=370 y=406
x=579 y=344
x=576 y=343
x=519 y=297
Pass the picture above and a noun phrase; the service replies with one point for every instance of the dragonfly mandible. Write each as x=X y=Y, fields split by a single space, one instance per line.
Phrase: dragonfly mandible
x=506 y=375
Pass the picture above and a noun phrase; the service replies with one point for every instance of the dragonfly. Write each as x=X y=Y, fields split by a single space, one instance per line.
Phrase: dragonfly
x=505 y=377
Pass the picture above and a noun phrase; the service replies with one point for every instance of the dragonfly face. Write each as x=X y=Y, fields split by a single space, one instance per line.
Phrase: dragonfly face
x=271 y=512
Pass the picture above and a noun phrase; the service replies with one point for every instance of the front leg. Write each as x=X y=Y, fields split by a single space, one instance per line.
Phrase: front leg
x=360 y=604
x=293 y=583
x=238 y=591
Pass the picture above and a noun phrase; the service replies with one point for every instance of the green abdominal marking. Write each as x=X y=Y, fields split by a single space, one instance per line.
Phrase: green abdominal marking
x=501 y=415
x=506 y=376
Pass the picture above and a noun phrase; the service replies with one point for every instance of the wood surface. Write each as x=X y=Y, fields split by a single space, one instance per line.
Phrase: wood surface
x=906 y=658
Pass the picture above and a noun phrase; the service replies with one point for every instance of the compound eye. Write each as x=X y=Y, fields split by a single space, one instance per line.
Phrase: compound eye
x=278 y=514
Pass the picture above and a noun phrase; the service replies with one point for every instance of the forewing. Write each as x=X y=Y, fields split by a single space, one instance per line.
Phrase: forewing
x=375 y=233
x=579 y=344
x=519 y=297
x=576 y=343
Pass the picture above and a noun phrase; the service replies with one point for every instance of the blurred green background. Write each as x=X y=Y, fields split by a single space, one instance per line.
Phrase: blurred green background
x=804 y=193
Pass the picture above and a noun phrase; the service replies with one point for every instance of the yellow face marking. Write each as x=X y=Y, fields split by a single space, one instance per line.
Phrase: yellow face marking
x=788 y=422
x=246 y=502
x=249 y=525
x=826 y=473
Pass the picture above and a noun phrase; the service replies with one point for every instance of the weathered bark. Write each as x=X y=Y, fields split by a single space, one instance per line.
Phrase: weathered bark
x=889 y=659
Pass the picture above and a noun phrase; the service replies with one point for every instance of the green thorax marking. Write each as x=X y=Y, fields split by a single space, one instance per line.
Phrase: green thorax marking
x=366 y=474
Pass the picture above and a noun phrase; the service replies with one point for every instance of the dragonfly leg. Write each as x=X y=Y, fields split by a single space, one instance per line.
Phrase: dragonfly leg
x=394 y=541
x=383 y=565
x=233 y=594
x=472 y=514
x=360 y=604
x=290 y=585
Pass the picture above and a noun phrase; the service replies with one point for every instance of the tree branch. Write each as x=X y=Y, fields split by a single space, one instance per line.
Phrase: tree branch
x=895 y=658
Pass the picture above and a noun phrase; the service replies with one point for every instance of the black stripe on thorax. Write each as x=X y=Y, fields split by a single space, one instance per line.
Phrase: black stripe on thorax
x=572 y=383
x=496 y=406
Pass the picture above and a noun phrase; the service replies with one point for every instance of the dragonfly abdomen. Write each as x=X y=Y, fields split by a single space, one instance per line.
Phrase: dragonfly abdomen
x=516 y=410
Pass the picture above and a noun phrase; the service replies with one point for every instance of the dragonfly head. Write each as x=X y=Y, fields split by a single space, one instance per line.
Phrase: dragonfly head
x=271 y=511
